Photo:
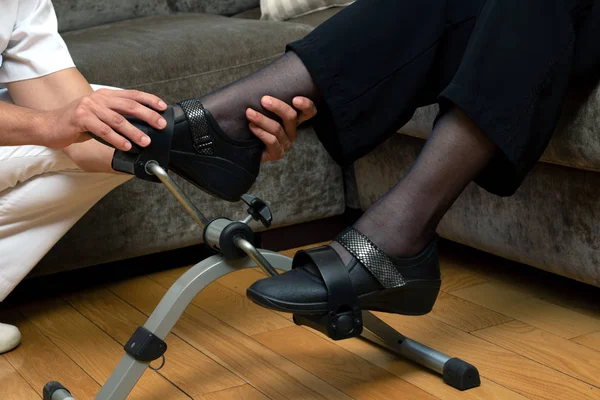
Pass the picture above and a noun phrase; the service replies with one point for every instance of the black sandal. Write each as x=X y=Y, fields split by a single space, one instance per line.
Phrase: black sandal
x=194 y=147
x=372 y=281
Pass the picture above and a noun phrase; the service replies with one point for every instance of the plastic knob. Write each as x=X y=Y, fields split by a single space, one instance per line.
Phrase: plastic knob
x=258 y=209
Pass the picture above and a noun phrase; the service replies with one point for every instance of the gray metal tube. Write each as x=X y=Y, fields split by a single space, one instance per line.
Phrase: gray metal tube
x=212 y=234
x=379 y=332
x=173 y=304
x=62 y=394
x=155 y=169
x=424 y=355
x=256 y=256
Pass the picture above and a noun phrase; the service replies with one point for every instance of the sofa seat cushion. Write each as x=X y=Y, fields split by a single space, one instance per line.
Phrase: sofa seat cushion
x=576 y=142
x=178 y=56
x=80 y=14
x=313 y=19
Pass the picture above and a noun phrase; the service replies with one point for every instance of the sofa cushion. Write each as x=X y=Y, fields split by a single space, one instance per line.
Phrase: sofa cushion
x=316 y=19
x=178 y=56
x=79 y=14
x=222 y=7
x=576 y=142
x=312 y=19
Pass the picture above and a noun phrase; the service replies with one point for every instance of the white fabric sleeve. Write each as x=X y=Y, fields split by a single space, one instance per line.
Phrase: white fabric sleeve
x=35 y=48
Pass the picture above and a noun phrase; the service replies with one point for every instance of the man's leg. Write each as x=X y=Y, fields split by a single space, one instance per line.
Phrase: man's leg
x=42 y=195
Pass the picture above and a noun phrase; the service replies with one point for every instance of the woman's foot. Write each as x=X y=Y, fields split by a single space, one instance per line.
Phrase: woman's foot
x=10 y=337
x=203 y=154
x=403 y=285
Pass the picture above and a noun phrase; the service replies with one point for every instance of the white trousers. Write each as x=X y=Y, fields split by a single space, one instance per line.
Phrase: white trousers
x=42 y=195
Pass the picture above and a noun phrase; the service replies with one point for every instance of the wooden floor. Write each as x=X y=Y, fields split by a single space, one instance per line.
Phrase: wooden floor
x=532 y=335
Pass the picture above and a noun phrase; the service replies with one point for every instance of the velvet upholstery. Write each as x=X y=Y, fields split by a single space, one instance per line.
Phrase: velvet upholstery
x=576 y=142
x=552 y=222
x=82 y=14
x=178 y=56
x=222 y=7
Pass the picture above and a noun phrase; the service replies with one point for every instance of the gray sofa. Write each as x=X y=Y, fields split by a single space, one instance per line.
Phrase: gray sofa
x=182 y=48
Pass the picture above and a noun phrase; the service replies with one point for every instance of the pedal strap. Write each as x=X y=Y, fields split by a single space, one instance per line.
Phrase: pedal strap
x=379 y=264
x=340 y=291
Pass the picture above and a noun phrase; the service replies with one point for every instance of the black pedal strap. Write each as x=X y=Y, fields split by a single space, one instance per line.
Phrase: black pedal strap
x=340 y=291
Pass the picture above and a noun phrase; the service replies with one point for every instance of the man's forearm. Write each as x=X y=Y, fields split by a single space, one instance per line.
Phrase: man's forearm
x=55 y=91
x=20 y=126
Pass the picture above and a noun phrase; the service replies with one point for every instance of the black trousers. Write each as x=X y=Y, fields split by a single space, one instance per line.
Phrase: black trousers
x=506 y=63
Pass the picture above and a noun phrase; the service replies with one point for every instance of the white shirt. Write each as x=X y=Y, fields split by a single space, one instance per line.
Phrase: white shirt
x=30 y=46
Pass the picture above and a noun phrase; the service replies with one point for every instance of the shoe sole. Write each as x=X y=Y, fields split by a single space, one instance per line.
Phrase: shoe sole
x=413 y=298
x=216 y=176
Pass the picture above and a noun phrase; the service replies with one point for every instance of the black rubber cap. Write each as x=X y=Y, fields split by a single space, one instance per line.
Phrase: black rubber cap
x=461 y=375
x=227 y=240
x=52 y=387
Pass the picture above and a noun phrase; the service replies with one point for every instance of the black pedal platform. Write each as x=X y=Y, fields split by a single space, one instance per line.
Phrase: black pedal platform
x=344 y=325
x=134 y=161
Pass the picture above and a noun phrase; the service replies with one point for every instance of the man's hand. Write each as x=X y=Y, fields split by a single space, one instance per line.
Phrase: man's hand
x=100 y=113
x=277 y=138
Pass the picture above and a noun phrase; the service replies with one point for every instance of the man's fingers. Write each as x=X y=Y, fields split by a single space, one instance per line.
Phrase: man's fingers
x=307 y=108
x=104 y=132
x=135 y=109
x=273 y=148
x=269 y=126
x=119 y=124
x=288 y=115
x=141 y=97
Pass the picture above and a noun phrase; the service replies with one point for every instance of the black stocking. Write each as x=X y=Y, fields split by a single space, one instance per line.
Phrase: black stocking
x=404 y=221
x=285 y=78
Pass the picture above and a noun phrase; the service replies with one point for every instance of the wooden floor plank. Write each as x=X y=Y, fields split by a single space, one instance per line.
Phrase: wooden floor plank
x=185 y=366
x=463 y=314
x=553 y=351
x=98 y=354
x=239 y=281
x=229 y=306
x=40 y=361
x=552 y=288
x=244 y=392
x=12 y=385
x=525 y=339
x=528 y=309
x=455 y=276
x=511 y=370
x=591 y=340
x=425 y=379
x=349 y=373
x=269 y=372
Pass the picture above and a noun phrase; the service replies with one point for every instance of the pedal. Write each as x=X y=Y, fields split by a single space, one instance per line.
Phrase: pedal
x=134 y=161
x=340 y=326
